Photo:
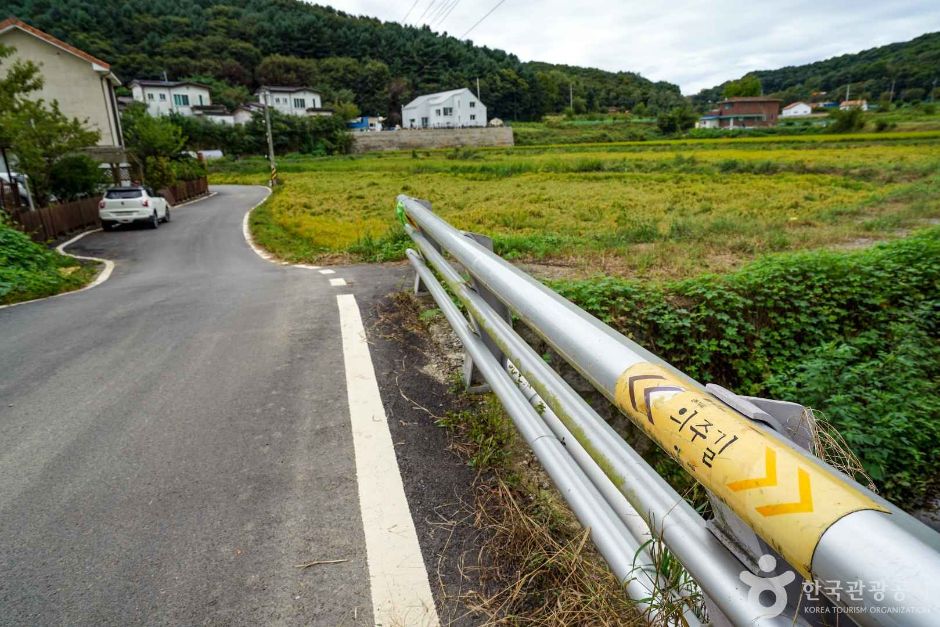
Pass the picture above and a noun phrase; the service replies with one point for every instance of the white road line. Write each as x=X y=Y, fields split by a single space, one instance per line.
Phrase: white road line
x=103 y=276
x=327 y=271
x=401 y=594
x=337 y=282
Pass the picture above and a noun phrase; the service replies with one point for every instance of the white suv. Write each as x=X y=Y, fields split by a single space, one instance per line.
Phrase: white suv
x=125 y=205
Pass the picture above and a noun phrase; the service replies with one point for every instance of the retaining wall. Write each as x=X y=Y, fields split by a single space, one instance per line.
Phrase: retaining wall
x=432 y=138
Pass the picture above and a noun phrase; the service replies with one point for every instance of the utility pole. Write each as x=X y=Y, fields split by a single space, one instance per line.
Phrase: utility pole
x=848 y=90
x=571 y=96
x=267 y=123
x=478 y=88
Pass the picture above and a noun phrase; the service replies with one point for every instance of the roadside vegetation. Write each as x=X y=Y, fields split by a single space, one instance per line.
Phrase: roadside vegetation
x=29 y=270
x=853 y=335
x=646 y=209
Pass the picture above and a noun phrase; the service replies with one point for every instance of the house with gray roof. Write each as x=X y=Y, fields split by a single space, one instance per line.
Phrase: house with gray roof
x=457 y=108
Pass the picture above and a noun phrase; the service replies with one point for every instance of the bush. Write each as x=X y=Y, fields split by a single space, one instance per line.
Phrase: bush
x=75 y=176
x=158 y=173
x=846 y=121
x=29 y=270
x=188 y=168
x=856 y=336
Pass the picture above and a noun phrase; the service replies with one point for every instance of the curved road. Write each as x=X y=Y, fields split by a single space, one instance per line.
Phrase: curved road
x=176 y=440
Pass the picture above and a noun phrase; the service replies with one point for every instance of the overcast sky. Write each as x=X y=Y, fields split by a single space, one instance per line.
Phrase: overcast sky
x=693 y=43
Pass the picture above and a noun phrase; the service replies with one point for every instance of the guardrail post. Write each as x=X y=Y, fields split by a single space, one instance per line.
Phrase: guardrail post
x=472 y=379
x=419 y=287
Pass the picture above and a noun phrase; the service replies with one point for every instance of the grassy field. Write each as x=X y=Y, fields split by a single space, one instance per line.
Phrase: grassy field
x=652 y=209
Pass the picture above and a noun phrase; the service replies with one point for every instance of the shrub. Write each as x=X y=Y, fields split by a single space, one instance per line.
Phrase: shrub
x=846 y=121
x=158 y=173
x=30 y=270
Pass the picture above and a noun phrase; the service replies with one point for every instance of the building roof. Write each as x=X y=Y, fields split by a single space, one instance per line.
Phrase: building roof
x=285 y=90
x=854 y=103
x=750 y=99
x=795 y=104
x=150 y=83
x=97 y=64
x=436 y=98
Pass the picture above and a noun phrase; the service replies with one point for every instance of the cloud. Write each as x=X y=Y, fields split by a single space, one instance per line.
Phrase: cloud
x=693 y=43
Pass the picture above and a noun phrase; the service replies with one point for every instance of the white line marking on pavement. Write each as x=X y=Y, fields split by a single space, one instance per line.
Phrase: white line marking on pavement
x=103 y=276
x=327 y=271
x=337 y=282
x=401 y=594
x=246 y=231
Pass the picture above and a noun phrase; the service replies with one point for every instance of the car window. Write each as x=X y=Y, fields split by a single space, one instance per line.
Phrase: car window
x=123 y=193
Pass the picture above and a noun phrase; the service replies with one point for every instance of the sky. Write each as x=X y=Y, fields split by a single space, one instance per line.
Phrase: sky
x=692 y=43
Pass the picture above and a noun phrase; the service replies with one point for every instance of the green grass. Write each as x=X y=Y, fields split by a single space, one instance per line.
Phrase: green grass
x=653 y=208
x=29 y=270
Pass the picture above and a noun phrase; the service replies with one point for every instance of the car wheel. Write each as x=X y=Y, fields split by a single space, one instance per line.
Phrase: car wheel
x=154 y=221
x=107 y=226
x=166 y=214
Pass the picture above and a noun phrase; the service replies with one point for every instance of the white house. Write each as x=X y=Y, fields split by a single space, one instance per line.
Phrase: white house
x=446 y=109
x=853 y=104
x=796 y=109
x=243 y=113
x=292 y=100
x=164 y=97
x=83 y=85
x=709 y=120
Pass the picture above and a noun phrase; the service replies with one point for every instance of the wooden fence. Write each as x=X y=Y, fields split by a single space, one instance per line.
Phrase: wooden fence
x=186 y=190
x=50 y=222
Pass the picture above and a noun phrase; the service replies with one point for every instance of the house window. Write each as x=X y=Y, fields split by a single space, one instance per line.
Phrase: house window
x=200 y=99
x=162 y=97
x=300 y=103
x=181 y=100
x=437 y=112
x=473 y=117
x=424 y=122
x=411 y=122
x=448 y=111
x=473 y=104
x=149 y=96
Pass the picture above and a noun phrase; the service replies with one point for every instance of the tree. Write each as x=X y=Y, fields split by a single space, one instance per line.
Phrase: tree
x=151 y=142
x=677 y=120
x=749 y=85
x=37 y=133
x=76 y=176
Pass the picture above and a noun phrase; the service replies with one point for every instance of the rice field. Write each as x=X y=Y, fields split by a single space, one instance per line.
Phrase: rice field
x=663 y=209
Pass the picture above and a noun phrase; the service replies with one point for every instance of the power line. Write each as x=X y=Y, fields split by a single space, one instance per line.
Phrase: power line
x=449 y=11
x=405 y=19
x=437 y=11
x=480 y=21
x=426 y=9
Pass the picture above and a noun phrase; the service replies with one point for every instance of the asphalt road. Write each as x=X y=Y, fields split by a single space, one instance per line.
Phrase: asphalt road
x=175 y=441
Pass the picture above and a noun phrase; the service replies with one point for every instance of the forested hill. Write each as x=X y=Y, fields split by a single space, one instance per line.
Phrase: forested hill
x=235 y=45
x=912 y=66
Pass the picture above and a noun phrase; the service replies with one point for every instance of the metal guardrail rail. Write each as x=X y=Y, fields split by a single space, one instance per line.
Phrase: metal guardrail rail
x=785 y=522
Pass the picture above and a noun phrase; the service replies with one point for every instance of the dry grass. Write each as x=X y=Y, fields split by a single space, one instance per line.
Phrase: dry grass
x=669 y=209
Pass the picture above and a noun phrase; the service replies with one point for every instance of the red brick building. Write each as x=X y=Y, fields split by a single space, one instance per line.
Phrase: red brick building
x=748 y=112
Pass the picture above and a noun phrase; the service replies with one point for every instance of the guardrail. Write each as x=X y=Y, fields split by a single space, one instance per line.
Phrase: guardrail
x=785 y=522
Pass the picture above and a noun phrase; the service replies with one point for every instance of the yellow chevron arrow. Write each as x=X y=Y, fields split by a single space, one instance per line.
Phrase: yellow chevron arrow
x=769 y=480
